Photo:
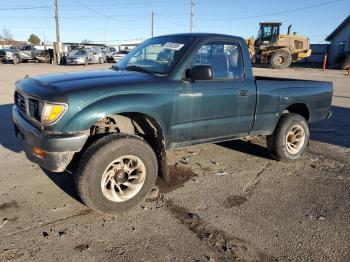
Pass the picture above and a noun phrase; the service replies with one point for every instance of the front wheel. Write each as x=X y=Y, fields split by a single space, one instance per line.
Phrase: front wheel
x=116 y=173
x=280 y=59
x=290 y=138
x=15 y=60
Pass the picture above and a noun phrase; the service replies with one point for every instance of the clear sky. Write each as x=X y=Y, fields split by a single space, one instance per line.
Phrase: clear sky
x=115 y=20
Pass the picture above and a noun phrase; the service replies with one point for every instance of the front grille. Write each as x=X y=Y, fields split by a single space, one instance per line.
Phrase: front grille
x=30 y=107
x=2 y=54
x=35 y=107
x=20 y=102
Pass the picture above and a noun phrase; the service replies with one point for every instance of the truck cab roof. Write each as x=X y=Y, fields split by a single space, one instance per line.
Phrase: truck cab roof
x=204 y=35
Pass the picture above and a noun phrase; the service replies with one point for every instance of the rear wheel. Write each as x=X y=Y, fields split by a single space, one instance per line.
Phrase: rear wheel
x=116 y=173
x=290 y=138
x=280 y=59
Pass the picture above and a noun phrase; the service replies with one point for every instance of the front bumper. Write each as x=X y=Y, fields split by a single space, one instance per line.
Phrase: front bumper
x=75 y=62
x=6 y=58
x=59 y=149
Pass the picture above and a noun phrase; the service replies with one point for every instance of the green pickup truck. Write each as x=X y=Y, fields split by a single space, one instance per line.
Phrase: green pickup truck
x=116 y=125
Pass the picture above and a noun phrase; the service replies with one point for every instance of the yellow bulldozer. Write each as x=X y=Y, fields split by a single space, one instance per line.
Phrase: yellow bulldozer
x=278 y=50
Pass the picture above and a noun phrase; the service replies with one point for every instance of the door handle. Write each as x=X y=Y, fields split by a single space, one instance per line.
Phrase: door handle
x=243 y=92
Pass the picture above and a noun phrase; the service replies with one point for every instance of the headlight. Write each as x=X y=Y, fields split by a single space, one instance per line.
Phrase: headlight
x=52 y=112
x=8 y=54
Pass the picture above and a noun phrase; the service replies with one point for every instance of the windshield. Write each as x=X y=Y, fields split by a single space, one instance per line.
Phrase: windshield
x=81 y=52
x=156 y=55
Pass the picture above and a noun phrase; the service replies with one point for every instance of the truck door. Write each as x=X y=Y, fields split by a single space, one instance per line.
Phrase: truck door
x=221 y=107
x=26 y=52
x=93 y=57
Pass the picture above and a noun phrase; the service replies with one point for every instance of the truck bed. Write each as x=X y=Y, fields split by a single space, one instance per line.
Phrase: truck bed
x=277 y=94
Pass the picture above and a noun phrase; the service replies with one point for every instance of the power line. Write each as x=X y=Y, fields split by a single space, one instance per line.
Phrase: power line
x=75 y=17
x=107 y=16
x=25 y=8
x=92 y=10
x=124 y=5
x=169 y=20
x=275 y=13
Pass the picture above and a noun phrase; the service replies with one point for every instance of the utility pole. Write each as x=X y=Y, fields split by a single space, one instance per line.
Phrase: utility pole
x=152 y=24
x=192 y=15
x=58 y=40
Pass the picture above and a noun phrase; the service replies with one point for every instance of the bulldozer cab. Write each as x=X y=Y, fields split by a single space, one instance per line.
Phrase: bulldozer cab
x=268 y=33
x=280 y=50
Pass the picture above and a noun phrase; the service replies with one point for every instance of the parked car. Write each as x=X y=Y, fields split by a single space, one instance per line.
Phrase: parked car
x=116 y=125
x=17 y=54
x=85 y=57
x=119 y=55
x=110 y=52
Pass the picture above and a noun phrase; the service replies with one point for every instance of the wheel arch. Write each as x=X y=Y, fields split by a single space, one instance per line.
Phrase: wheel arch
x=136 y=124
x=296 y=108
x=300 y=109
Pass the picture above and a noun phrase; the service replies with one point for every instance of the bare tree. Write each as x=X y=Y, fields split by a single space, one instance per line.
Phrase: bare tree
x=6 y=35
x=86 y=41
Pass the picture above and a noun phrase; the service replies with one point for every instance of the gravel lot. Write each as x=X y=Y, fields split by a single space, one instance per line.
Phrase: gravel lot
x=225 y=202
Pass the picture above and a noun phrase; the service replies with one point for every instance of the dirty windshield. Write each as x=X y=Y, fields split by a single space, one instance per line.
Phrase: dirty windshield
x=157 y=55
x=81 y=52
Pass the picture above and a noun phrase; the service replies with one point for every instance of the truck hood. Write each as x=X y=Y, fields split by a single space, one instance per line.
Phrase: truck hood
x=8 y=50
x=56 y=87
x=76 y=56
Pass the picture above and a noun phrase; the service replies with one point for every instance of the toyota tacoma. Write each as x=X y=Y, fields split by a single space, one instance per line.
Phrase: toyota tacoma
x=114 y=126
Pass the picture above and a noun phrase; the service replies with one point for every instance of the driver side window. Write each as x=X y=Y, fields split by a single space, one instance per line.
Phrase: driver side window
x=223 y=57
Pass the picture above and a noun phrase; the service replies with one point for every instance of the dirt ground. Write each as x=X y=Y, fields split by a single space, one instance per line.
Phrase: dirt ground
x=226 y=202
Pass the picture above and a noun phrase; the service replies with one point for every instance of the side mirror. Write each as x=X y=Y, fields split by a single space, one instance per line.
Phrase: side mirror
x=199 y=72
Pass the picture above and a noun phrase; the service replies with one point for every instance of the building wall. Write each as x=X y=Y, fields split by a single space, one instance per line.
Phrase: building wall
x=317 y=54
x=336 y=48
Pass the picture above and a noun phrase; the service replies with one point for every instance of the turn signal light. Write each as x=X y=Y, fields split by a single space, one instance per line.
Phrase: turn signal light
x=39 y=152
x=52 y=112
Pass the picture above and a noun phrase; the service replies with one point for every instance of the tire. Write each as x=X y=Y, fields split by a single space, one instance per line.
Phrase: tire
x=290 y=138
x=280 y=59
x=86 y=62
x=15 y=60
x=91 y=183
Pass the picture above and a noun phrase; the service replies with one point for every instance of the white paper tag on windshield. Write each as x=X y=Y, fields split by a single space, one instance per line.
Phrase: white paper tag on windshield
x=173 y=46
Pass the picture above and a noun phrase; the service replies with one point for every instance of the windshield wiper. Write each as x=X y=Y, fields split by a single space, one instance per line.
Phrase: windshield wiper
x=138 y=69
